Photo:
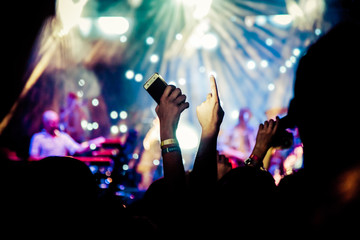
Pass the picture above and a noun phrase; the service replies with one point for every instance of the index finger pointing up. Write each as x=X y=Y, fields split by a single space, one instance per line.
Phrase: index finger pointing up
x=213 y=86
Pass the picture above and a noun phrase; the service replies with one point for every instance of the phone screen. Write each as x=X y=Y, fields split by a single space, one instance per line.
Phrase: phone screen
x=155 y=86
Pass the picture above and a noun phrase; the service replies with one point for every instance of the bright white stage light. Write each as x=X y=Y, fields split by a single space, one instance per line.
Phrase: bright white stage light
x=293 y=59
x=138 y=77
x=264 y=63
x=114 y=115
x=296 y=52
x=235 y=114
x=199 y=8
x=251 y=65
x=113 y=25
x=95 y=125
x=282 y=19
x=114 y=129
x=85 y=25
x=69 y=13
x=149 y=40
x=123 y=38
x=179 y=36
x=249 y=21
x=260 y=20
x=89 y=127
x=123 y=128
x=95 y=102
x=123 y=114
x=209 y=41
x=81 y=82
x=271 y=87
x=84 y=124
x=282 y=69
x=182 y=81
x=129 y=74
x=288 y=63
x=154 y=58
x=269 y=41
x=202 y=8
x=80 y=94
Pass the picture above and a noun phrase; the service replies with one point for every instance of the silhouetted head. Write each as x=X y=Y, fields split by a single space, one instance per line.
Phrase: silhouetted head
x=325 y=100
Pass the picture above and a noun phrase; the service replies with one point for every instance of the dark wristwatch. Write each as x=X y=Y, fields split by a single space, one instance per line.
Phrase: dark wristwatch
x=254 y=161
x=250 y=162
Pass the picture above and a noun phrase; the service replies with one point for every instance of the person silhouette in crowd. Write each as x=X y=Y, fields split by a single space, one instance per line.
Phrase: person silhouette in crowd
x=175 y=198
x=164 y=200
x=245 y=194
x=325 y=196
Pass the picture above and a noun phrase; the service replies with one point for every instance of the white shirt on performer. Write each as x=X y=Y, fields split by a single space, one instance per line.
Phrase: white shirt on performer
x=44 y=144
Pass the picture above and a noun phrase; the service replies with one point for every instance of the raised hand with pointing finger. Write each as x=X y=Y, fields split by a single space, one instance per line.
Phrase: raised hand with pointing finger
x=210 y=113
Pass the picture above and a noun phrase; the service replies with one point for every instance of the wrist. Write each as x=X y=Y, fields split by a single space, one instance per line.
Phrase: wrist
x=167 y=134
x=254 y=161
x=260 y=152
x=210 y=132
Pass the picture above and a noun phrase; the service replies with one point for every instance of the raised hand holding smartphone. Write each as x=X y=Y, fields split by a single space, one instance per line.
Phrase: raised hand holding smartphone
x=155 y=86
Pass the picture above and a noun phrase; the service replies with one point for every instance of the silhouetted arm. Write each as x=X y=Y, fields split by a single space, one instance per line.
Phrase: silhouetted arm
x=210 y=115
x=172 y=104
x=263 y=142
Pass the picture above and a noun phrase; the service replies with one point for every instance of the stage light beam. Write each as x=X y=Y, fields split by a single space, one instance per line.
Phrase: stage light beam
x=209 y=41
x=113 y=25
x=69 y=13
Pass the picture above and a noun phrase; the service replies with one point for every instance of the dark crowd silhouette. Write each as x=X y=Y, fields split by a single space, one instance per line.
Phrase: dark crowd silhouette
x=322 y=198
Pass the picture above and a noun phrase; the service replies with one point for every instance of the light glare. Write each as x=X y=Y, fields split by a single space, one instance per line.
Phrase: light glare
x=95 y=102
x=209 y=41
x=129 y=74
x=187 y=136
x=113 y=25
x=123 y=114
x=251 y=65
x=113 y=114
x=138 y=77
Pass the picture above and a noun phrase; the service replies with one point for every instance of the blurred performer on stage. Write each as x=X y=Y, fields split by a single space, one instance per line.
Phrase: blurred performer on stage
x=53 y=142
x=71 y=116
x=238 y=142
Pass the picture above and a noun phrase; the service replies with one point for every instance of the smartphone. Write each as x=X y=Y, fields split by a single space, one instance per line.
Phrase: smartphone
x=155 y=86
